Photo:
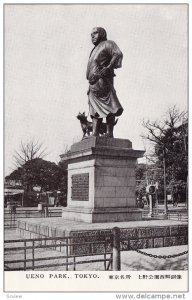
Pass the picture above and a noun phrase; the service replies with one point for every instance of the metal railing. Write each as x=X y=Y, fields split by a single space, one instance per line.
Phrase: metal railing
x=178 y=216
x=34 y=254
x=35 y=213
x=69 y=252
x=118 y=246
x=171 y=215
x=11 y=218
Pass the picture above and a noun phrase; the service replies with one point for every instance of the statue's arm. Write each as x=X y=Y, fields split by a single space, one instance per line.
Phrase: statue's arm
x=116 y=58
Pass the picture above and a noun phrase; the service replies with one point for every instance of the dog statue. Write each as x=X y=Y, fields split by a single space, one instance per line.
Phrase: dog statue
x=87 y=126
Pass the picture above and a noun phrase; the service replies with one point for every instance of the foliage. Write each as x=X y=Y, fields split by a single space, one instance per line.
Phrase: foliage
x=140 y=172
x=42 y=173
x=39 y=172
x=169 y=139
x=62 y=183
x=15 y=175
x=33 y=170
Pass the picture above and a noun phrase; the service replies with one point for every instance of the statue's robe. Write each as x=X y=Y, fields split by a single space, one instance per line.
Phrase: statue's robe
x=102 y=95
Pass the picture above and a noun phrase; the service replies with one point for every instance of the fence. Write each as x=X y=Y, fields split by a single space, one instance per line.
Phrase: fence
x=171 y=215
x=118 y=246
x=178 y=216
x=10 y=218
x=28 y=254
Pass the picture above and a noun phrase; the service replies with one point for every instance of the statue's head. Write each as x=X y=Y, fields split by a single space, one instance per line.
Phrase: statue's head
x=98 y=35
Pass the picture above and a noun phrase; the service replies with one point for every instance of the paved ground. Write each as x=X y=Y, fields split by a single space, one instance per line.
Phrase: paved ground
x=130 y=260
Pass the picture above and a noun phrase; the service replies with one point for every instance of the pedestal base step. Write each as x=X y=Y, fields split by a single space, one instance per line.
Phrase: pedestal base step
x=102 y=215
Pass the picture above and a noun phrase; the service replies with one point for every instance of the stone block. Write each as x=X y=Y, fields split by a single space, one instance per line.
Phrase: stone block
x=125 y=192
x=150 y=243
x=181 y=240
x=111 y=162
x=99 y=202
x=105 y=192
x=114 y=202
x=170 y=241
x=119 y=181
x=183 y=230
x=131 y=181
x=131 y=202
x=60 y=233
x=81 y=216
x=52 y=232
x=122 y=202
x=186 y=239
x=44 y=230
x=161 y=231
x=138 y=244
x=174 y=230
x=129 y=233
x=99 y=181
x=145 y=232
x=124 y=171
x=22 y=225
x=158 y=242
x=113 y=181
x=112 y=215
x=105 y=171
x=38 y=229
x=81 y=165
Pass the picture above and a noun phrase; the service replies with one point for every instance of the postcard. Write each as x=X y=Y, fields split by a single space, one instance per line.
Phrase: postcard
x=96 y=148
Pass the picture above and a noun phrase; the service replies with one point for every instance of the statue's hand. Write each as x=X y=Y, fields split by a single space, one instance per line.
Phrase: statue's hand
x=93 y=79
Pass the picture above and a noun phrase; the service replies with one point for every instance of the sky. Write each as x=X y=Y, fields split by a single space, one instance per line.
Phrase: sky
x=46 y=53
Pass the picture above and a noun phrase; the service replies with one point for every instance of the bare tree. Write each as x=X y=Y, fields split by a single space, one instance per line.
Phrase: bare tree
x=168 y=136
x=28 y=151
x=158 y=129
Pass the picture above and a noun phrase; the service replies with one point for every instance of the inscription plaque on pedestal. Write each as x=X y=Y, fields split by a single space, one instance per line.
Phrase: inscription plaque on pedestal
x=80 y=187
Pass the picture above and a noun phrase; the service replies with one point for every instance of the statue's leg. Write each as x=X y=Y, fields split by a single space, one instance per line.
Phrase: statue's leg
x=110 y=124
x=96 y=126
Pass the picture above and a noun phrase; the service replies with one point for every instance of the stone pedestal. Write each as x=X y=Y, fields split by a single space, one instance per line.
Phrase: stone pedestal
x=101 y=181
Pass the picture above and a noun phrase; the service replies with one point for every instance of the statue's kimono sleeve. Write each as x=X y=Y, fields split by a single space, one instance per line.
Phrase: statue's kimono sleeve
x=116 y=54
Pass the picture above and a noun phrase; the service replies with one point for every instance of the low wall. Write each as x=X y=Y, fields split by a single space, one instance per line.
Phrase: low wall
x=131 y=238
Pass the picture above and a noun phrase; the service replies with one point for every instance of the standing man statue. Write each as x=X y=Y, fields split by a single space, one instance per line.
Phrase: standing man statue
x=103 y=101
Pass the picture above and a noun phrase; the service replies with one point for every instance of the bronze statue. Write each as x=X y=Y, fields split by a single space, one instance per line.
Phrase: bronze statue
x=87 y=126
x=103 y=101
